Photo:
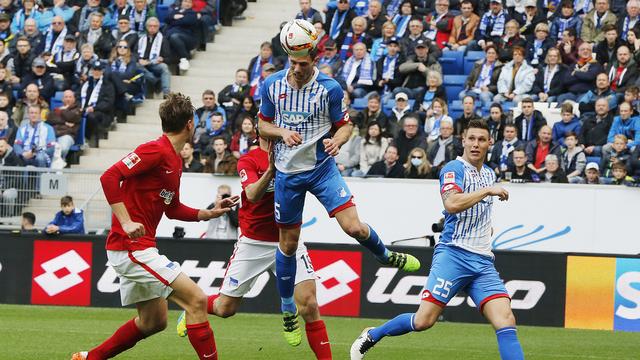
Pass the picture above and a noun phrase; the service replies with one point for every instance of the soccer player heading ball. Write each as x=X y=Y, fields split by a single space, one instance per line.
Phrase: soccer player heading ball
x=462 y=260
x=303 y=113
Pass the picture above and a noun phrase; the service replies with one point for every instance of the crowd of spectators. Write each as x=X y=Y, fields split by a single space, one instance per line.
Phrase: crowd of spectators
x=579 y=56
x=70 y=68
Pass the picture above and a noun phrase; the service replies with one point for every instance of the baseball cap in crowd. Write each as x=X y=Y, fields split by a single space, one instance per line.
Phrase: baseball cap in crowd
x=421 y=43
x=330 y=44
x=38 y=62
x=5 y=17
x=497 y=1
x=97 y=65
x=395 y=40
x=402 y=96
x=593 y=165
x=70 y=37
x=123 y=17
x=530 y=3
x=269 y=67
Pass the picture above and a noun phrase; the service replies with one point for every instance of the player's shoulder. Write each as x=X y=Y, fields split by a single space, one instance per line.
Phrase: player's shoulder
x=454 y=165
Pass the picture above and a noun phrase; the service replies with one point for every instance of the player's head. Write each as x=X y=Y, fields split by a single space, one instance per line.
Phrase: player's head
x=176 y=114
x=66 y=204
x=476 y=141
x=299 y=39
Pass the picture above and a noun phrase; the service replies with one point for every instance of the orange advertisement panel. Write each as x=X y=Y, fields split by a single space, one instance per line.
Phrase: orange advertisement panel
x=590 y=292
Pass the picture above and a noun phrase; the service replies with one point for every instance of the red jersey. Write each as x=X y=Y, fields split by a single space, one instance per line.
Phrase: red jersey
x=150 y=177
x=257 y=220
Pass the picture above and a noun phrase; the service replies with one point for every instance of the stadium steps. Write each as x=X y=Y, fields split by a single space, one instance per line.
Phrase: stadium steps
x=214 y=69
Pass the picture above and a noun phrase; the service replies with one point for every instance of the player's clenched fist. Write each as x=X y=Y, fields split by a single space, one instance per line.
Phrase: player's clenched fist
x=291 y=138
x=331 y=147
x=133 y=229
x=500 y=192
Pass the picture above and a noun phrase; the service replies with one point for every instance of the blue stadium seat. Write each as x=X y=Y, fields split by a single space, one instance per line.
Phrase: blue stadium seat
x=595 y=159
x=161 y=12
x=470 y=59
x=453 y=84
x=56 y=100
x=359 y=103
x=451 y=62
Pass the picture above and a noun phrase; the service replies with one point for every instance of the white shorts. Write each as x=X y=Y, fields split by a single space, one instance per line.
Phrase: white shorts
x=144 y=274
x=251 y=258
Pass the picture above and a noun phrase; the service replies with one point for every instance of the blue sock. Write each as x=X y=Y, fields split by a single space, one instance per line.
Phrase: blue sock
x=375 y=245
x=399 y=325
x=508 y=344
x=285 y=278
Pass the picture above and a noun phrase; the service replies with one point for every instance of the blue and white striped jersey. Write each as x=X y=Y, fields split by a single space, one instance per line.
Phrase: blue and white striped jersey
x=469 y=229
x=311 y=111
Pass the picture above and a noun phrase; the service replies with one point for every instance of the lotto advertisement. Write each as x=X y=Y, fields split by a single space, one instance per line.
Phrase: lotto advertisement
x=547 y=289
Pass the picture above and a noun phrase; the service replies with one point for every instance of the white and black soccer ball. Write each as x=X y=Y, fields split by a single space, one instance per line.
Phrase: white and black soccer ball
x=298 y=38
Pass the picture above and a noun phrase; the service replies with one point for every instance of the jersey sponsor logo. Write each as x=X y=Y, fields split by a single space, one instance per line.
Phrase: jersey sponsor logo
x=61 y=273
x=341 y=192
x=172 y=265
x=294 y=118
x=131 y=160
x=450 y=178
x=233 y=282
x=167 y=196
x=338 y=281
x=243 y=175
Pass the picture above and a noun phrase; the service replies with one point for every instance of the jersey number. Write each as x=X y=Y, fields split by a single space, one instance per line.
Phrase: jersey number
x=307 y=263
x=442 y=288
x=277 y=211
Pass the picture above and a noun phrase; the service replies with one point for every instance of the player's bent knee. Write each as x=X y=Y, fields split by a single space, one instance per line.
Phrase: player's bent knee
x=422 y=323
x=309 y=307
x=356 y=230
x=198 y=303
x=225 y=310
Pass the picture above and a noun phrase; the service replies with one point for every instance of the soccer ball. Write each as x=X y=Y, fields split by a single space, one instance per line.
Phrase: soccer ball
x=298 y=38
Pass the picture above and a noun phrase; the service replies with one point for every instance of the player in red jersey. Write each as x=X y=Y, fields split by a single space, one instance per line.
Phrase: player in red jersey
x=150 y=177
x=256 y=249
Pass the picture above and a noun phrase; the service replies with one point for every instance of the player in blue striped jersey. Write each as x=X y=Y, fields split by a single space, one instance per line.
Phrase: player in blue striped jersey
x=462 y=260
x=302 y=111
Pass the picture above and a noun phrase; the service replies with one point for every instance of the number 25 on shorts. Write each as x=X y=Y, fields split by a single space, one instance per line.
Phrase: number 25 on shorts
x=442 y=288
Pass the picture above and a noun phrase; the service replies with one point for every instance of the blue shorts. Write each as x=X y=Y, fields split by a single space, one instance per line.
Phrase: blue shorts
x=324 y=182
x=454 y=269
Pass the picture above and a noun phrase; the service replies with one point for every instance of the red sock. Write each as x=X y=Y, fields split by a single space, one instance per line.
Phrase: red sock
x=318 y=339
x=123 y=339
x=211 y=306
x=201 y=338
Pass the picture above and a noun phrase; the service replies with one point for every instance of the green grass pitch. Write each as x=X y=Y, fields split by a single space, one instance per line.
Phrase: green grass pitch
x=44 y=332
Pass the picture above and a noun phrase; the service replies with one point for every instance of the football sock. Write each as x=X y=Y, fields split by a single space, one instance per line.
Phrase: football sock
x=399 y=325
x=508 y=344
x=285 y=278
x=123 y=339
x=211 y=304
x=375 y=245
x=318 y=339
x=201 y=338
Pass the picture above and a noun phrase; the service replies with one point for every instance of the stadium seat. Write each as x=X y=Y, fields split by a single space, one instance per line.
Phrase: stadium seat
x=595 y=159
x=451 y=62
x=453 y=84
x=56 y=100
x=470 y=59
x=359 y=103
x=162 y=11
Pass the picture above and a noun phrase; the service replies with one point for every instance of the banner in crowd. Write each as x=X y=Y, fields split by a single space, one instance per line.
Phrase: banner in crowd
x=546 y=289
x=537 y=217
